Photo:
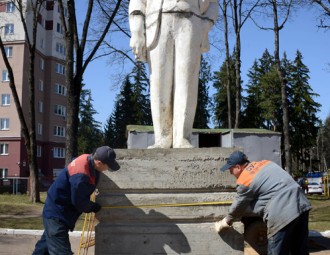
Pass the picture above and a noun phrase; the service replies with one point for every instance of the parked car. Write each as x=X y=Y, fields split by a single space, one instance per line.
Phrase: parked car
x=315 y=188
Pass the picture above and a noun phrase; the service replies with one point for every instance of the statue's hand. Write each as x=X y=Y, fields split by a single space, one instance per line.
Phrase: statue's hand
x=138 y=45
x=207 y=25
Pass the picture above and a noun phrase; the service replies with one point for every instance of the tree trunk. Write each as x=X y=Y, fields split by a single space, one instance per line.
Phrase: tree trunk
x=237 y=63
x=77 y=62
x=28 y=131
x=225 y=21
x=284 y=100
x=73 y=90
x=32 y=148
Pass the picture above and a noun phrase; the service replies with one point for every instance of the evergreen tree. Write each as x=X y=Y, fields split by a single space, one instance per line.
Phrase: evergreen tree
x=304 y=123
x=140 y=96
x=220 y=105
x=263 y=103
x=259 y=108
x=270 y=100
x=109 y=132
x=325 y=143
x=252 y=116
x=202 y=115
x=89 y=131
x=132 y=107
x=122 y=114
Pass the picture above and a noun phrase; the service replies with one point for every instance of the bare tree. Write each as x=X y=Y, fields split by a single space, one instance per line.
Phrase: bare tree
x=117 y=52
x=78 y=57
x=27 y=127
x=241 y=11
x=279 y=9
x=325 y=15
x=224 y=14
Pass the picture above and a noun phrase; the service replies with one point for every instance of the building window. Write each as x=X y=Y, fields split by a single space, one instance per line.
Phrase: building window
x=57 y=171
x=60 y=69
x=40 y=106
x=41 y=85
x=5 y=75
x=9 y=29
x=60 y=110
x=60 y=89
x=3 y=172
x=39 y=129
x=3 y=149
x=42 y=43
x=50 y=5
x=39 y=18
x=4 y=124
x=9 y=52
x=59 y=131
x=60 y=48
x=58 y=152
x=39 y=151
x=42 y=64
x=49 y=25
x=59 y=28
x=65 y=10
x=10 y=7
x=5 y=99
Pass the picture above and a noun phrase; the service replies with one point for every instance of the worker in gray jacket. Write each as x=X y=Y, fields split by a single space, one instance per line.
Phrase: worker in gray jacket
x=268 y=191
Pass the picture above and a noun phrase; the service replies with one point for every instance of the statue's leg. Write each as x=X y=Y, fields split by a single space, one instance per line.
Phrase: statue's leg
x=187 y=63
x=161 y=85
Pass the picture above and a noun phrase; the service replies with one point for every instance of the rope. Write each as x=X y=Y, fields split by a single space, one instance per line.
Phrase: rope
x=168 y=205
x=87 y=239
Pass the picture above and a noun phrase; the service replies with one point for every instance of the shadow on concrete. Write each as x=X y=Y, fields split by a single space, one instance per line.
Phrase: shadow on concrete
x=232 y=237
x=131 y=230
x=317 y=242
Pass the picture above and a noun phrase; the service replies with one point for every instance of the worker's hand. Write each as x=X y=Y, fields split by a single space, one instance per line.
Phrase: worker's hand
x=220 y=225
x=96 y=207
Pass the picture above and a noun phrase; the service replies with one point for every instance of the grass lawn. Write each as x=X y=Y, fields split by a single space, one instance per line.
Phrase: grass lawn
x=17 y=212
x=319 y=217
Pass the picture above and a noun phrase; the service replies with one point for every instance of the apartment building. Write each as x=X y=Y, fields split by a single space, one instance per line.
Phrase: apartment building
x=50 y=91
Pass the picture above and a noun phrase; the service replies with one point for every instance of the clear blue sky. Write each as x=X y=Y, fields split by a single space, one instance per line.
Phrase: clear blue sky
x=300 y=33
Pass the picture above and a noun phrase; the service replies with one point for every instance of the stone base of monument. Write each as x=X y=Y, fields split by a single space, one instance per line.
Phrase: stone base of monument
x=165 y=201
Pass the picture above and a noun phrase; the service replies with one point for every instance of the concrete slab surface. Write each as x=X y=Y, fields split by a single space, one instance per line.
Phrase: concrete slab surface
x=14 y=242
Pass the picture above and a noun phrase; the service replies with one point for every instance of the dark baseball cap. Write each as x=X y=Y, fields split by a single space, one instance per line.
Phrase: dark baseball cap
x=236 y=158
x=107 y=156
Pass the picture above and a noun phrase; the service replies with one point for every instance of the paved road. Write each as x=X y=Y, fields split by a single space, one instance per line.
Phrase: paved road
x=18 y=243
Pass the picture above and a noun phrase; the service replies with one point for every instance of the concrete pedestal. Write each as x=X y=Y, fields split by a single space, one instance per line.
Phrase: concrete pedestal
x=165 y=201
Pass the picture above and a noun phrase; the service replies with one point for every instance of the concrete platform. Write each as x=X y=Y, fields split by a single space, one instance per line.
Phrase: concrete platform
x=14 y=242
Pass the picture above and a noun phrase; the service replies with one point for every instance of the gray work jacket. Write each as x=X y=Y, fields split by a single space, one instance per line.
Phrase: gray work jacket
x=266 y=190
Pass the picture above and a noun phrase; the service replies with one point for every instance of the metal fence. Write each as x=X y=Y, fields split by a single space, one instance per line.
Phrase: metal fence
x=14 y=185
x=326 y=185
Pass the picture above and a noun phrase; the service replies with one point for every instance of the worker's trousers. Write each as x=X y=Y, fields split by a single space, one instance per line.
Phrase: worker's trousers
x=292 y=239
x=55 y=239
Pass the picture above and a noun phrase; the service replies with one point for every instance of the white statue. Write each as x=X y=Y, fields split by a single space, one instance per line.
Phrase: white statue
x=171 y=35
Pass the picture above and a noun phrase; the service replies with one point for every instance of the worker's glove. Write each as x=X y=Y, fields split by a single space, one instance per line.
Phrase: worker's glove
x=220 y=225
x=96 y=207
